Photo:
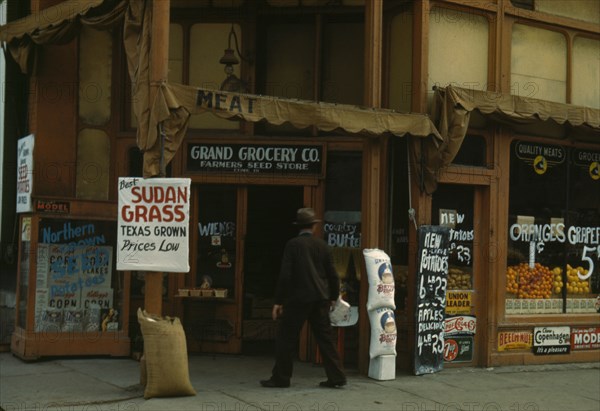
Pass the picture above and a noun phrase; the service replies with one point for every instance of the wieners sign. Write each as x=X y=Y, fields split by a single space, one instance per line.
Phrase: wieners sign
x=153 y=224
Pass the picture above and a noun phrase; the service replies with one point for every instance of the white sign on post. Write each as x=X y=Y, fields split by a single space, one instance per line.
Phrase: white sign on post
x=25 y=174
x=153 y=224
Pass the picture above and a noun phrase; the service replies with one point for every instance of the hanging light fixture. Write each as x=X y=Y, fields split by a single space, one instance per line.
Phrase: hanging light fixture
x=229 y=59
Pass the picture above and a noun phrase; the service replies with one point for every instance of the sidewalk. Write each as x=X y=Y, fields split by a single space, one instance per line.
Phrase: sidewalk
x=226 y=383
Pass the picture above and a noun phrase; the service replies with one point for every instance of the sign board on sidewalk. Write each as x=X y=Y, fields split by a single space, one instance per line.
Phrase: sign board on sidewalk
x=432 y=279
x=153 y=224
x=25 y=174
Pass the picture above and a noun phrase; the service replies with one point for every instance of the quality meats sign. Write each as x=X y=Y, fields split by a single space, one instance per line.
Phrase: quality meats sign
x=153 y=224
x=551 y=340
x=280 y=159
x=432 y=280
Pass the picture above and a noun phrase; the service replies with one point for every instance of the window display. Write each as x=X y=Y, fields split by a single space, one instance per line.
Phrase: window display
x=554 y=230
x=217 y=225
x=76 y=282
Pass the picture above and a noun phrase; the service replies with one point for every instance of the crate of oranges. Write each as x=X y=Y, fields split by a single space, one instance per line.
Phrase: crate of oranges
x=575 y=285
x=529 y=282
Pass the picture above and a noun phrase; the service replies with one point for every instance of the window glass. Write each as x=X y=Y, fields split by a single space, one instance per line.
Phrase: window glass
x=582 y=271
x=399 y=219
x=471 y=152
x=217 y=225
x=458 y=49
x=343 y=82
x=400 y=55
x=529 y=78
x=554 y=229
x=586 y=66
x=586 y=10
x=342 y=218
x=207 y=42
x=452 y=206
x=95 y=76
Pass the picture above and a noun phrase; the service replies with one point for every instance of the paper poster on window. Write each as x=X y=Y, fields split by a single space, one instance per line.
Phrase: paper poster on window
x=153 y=224
x=25 y=174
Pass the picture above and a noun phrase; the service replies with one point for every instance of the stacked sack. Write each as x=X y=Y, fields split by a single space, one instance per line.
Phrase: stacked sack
x=381 y=306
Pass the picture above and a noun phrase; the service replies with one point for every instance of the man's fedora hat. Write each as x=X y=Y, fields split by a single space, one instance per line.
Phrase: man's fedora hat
x=305 y=216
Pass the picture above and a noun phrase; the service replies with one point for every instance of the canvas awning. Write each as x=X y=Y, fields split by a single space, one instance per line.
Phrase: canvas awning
x=453 y=107
x=172 y=105
x=58 y=24
x=175 y=103
x=169 y=111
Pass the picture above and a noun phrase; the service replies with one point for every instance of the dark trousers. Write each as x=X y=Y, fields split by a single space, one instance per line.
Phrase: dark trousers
x=288 y=336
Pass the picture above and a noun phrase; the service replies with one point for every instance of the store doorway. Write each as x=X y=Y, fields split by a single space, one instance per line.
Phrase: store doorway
x=460 y=207
x=270 y=213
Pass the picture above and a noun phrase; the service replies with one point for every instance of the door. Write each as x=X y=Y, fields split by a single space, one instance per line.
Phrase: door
x=271 y=211
x=459 y=207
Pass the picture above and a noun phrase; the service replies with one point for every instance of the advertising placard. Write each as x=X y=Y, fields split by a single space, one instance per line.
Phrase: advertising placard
x=25 y=174
x=586 y=338
x=432 y=279
x=551 y=340
x=514 y=340
x=459 y=302
x=458 y=348
x=460 y=324
x=153 y=224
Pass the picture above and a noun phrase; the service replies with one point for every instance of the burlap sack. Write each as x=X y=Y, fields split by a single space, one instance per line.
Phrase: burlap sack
x=165 y=351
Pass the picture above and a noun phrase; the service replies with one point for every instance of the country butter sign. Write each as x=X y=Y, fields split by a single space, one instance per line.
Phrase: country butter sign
x=458 y=302
x=282 y=159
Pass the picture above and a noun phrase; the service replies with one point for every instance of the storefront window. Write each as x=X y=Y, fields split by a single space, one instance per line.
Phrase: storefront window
x=77 y=286
x=342 y=219
x=217 y=225
x=554 y=230
x=471 y=152
x=452 y=206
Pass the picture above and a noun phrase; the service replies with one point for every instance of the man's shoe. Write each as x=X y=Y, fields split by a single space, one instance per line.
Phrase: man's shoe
x=332 y=384
x=271 y=383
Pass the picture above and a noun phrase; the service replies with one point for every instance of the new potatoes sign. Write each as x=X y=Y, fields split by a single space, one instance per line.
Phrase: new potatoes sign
x=153 y=229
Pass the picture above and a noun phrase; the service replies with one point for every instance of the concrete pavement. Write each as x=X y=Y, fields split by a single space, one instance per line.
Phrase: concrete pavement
x=230 y=383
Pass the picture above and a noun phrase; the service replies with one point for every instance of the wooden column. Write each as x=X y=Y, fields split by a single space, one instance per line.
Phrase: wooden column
x=159 y=68
x=372 y=164
x=420 y=55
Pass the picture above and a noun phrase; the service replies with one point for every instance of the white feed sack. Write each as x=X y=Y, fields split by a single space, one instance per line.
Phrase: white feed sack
x=381 y=279
x=383 y=332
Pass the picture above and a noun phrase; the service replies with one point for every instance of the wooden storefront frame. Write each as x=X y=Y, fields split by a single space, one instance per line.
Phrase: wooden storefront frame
x=28 y=344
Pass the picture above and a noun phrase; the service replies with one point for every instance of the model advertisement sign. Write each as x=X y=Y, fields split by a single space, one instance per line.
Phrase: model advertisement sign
x=153 y=224
x=25 y=174
x=432 y=278
x=587 y=338
x=551 y=340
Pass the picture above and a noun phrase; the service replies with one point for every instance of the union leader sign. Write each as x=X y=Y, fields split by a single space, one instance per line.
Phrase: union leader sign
x=153 y=224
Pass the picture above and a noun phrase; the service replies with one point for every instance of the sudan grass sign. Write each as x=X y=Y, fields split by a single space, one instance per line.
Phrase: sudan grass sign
x=153 y=231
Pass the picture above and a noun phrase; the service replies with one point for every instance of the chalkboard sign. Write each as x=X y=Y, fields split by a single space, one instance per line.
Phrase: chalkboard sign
x=432 y=278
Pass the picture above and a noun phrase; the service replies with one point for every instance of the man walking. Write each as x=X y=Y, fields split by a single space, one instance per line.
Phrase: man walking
x=308 y=286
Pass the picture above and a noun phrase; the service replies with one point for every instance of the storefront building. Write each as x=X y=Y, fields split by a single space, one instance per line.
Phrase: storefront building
x=503 y=147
